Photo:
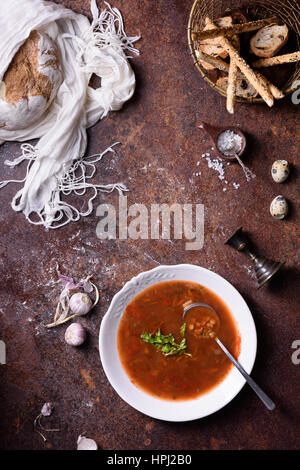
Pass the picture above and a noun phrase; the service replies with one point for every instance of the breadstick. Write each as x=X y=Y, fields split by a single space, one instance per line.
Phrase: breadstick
x=249 y=73
x=277 y=60
x=231 y=89
x=215 y=61
x=224 y=67
x=232 y=30
x=278 y=94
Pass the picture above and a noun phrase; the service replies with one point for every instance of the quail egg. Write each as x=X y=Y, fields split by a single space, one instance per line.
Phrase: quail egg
x=279 y=207
x=280 y=171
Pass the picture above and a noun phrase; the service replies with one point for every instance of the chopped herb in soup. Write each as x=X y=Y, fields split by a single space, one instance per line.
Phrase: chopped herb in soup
x=166 y=343
x=169 y=358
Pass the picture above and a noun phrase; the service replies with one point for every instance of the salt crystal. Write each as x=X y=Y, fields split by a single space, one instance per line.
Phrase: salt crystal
x=217 y=165
x=229 y=143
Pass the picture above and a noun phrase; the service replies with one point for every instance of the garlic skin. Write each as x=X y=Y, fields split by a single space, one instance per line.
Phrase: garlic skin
x=80 y=304
x=75 y=334
x=47 y=409
x=84 y=443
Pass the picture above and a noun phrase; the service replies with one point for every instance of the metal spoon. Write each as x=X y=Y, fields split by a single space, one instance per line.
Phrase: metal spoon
x=264 y=398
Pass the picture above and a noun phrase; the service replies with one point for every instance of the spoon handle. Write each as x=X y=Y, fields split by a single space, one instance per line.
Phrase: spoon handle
x=264 y=398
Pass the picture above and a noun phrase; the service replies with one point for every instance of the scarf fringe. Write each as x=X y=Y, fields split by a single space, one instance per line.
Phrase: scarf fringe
x=76 y=180
x=106 y=30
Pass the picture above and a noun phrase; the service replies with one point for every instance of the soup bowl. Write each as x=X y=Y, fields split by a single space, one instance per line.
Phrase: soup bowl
x=205 y=404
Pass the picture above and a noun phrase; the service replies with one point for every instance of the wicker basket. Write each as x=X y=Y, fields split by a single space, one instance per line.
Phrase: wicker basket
x=288 y=11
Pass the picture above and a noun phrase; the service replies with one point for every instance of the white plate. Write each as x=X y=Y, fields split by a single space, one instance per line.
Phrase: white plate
x=179 y=410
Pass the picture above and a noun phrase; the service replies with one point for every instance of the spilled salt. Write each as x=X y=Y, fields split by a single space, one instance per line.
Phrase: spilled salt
x=218 y=165
x=215 y=164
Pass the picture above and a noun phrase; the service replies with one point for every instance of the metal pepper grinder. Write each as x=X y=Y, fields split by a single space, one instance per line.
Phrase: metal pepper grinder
x=264 y=268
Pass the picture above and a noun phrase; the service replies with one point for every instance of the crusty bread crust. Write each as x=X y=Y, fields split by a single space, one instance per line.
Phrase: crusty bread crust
x=23 y=78
x=30 y=83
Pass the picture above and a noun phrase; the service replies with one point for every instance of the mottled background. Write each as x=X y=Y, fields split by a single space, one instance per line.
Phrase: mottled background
x=160 y=160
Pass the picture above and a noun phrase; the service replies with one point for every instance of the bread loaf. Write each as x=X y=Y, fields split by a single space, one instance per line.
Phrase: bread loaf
x=30 y=83
x=269 y=40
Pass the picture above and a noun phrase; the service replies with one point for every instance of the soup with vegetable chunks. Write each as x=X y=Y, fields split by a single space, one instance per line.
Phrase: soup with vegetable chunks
x=168 y=357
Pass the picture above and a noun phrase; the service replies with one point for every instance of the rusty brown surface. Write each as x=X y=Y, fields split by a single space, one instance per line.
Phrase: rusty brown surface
x=158 y=161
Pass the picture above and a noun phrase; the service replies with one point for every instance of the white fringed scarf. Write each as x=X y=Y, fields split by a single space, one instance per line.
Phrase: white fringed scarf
x=56 y=165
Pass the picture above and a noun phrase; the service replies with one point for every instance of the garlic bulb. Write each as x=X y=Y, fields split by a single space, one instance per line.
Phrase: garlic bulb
x=84 y=443
x=80 y=304
x=75 y=334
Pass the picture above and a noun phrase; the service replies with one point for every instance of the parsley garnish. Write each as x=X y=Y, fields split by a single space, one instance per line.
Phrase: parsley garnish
x=166 y=343
x=182 y=330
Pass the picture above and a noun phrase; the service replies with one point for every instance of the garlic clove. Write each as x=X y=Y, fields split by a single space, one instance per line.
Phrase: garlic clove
x=80 y=303
x=87 y=287
x=75 y=334
x=47 y=409
x=84 y=443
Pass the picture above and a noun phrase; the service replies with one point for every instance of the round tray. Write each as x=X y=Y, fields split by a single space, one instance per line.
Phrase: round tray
x=287 y=12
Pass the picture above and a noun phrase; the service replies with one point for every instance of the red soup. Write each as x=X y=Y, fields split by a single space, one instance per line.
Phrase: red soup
x=165 y=355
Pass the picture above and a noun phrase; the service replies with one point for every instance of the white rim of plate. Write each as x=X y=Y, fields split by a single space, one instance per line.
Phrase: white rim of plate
x=205 y=404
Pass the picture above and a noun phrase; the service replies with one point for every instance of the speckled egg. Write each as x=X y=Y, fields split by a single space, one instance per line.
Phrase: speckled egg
x=279 y=207
x=280 y=171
